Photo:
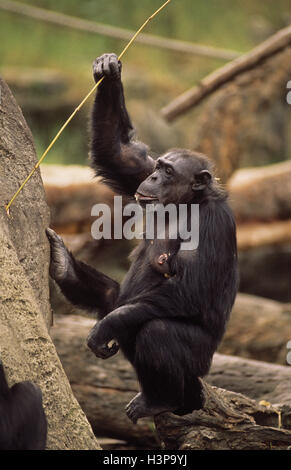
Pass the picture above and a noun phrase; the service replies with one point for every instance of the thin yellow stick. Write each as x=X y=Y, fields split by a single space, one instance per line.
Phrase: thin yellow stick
x=7 y=207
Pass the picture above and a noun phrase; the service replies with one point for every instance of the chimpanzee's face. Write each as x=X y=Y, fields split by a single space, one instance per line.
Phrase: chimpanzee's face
x=178 y=177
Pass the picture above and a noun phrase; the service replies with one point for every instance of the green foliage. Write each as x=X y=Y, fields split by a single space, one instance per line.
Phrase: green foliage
x=221 y=23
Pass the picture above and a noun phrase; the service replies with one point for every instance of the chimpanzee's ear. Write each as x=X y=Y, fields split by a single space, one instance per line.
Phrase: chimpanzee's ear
x=202 y=179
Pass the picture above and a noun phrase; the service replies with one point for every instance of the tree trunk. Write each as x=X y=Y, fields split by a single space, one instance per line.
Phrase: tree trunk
x=26 y=350
x=30 y=213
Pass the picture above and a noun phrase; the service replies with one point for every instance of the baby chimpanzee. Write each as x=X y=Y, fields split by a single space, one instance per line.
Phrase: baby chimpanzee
x=23 y=424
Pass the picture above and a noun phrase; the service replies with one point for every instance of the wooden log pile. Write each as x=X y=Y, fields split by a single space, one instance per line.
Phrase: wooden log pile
x=103 y=388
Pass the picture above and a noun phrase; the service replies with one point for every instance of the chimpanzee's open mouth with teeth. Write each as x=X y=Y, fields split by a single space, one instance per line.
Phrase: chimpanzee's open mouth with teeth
x=145 y=198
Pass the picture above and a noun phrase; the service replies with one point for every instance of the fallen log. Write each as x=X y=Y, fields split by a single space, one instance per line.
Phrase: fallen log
x=103 y=388
x=261 y=194
x=257 y=379
x=227 y=421
x=259 y=235
x=258 y=329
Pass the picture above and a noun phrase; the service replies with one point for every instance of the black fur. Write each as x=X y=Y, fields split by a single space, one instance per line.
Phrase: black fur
x=23 y=424
x=170 y=312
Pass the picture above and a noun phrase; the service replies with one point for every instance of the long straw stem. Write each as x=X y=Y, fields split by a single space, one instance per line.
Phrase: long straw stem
x=7 y=207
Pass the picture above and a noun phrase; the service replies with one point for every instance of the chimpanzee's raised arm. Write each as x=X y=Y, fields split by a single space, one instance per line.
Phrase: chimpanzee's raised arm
x=122 y=162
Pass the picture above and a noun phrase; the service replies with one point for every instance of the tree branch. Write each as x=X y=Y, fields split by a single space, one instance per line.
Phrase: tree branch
x=228 y=72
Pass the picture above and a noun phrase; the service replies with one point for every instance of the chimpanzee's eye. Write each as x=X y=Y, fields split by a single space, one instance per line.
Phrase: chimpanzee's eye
x=169 y=171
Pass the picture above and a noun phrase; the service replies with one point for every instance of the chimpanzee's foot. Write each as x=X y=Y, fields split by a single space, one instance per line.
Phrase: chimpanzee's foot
x=139 y=408
x=61 y=265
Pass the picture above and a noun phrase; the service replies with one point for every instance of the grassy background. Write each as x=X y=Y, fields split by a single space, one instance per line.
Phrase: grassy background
x=152 y=76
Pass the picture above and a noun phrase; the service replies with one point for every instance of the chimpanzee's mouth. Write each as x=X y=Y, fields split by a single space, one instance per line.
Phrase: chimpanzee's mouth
x=145 y=197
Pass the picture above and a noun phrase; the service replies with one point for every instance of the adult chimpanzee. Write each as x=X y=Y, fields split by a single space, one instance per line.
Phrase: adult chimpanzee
x=170 y=312
x=23 y=424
